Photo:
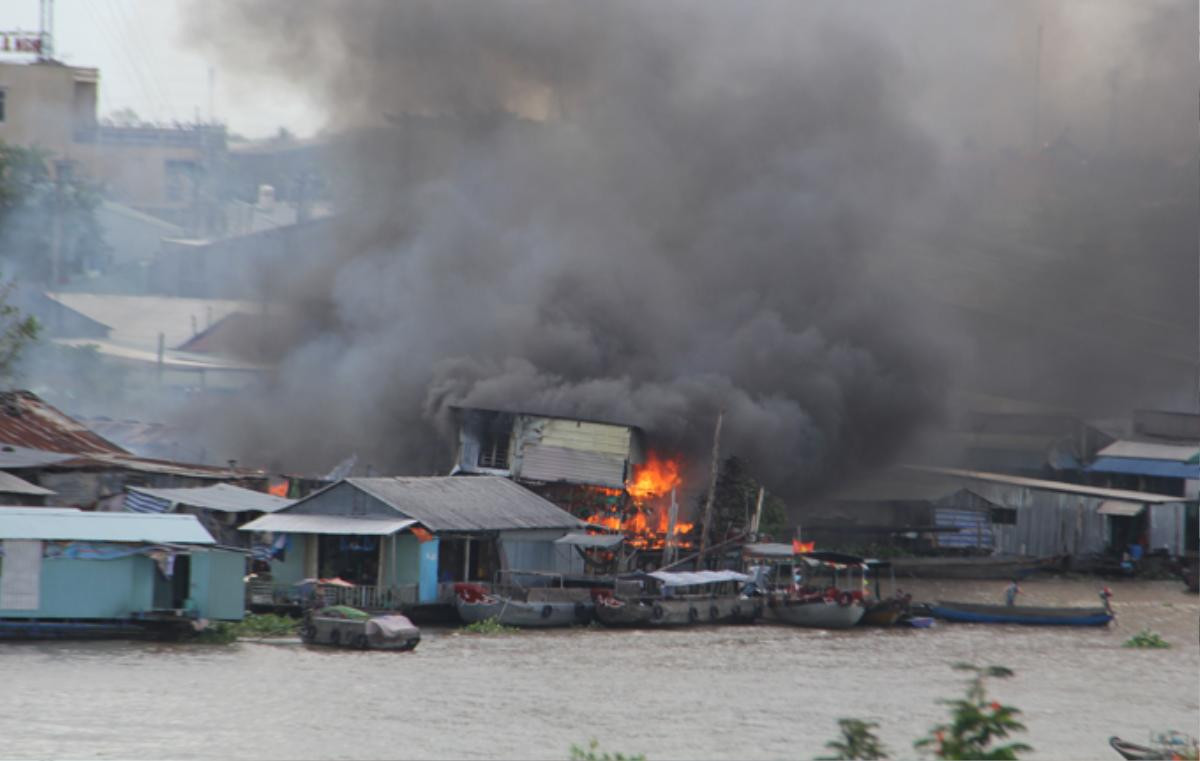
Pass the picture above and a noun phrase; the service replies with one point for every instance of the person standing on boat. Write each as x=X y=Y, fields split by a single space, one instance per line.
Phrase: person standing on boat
x=1010 y=594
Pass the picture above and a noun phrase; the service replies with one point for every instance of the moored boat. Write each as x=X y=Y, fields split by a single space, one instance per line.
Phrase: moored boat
x=964 y=612
x=344 y=626
x=883 y=611
x=676 y=599
x=475 y=603
x=793 y=595
x=822 y=613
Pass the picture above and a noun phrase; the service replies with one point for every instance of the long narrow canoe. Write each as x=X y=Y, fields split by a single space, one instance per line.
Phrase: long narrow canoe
x=965 y=612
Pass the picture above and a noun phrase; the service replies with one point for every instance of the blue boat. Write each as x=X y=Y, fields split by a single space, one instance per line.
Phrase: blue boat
x=971 y=613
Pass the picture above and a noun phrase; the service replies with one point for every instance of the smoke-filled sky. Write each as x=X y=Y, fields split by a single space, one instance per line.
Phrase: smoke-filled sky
x=649 y=212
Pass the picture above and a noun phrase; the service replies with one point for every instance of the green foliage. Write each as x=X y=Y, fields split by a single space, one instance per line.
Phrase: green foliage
x=593 y=753
x=858 y=741
x=16 y=333
x=1148 y=639
x=220 y=633
x=734 y=501
x=488 y=626
x=976 y=722
x=39 y=209
x=265 y=625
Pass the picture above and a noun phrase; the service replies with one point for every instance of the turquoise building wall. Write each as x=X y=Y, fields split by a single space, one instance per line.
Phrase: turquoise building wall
x=291 y=569
x=77 y=588
x=217 y=584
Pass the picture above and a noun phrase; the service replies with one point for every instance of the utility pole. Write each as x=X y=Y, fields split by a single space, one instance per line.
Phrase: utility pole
x=712 y=486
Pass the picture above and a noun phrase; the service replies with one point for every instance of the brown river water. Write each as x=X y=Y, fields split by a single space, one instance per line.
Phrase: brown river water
x=760 y=691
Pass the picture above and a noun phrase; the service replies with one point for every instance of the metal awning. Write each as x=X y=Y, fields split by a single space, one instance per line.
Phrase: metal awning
x=770 y=550
x=603 y=541
x=1117 y=507
x=290 y=523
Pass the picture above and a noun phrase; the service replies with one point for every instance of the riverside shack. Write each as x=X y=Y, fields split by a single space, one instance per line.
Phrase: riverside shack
x=65 y=571
x=399 y=542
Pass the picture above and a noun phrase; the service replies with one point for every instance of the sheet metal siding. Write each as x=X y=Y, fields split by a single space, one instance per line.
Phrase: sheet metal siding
x=465 y=503
x=540 y=462
x=539 y=556
x=76 y=588
x=10 y=484
x=587 y=437
x=974 y=528
x=1168 y=528
x=291 y=568
x=342 y=499
x=1048 y=523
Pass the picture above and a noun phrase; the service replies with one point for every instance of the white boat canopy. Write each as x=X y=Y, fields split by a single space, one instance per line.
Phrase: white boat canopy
x=694 y=578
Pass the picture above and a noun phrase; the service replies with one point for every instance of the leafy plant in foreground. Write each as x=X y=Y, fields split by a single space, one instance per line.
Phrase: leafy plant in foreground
x=1146 y=638
x=976 y=722
x=858 y=741
x=488 y=626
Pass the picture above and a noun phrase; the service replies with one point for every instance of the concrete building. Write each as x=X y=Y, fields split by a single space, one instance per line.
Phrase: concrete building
x=167 y=171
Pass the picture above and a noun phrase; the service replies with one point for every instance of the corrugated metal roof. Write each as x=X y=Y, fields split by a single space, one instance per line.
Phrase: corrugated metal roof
x=1117 y=507
x=1137 y=466
x=10 y=484
x=603 y=541
x=35 y=523
x=327 y=524
x=553 y=464
x=16 y=458
x=1038 y=483
x=466 y=503
x=1146 y=450
x=225 y=498
x=534 y=413
x=27 y=421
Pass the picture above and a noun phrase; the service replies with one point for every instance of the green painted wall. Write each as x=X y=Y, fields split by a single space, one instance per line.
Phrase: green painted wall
x=74 y=588
x=217 y=585
x=408 y=560
x=291 y=568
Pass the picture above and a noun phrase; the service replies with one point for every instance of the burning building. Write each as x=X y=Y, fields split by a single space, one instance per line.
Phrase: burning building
x=601 y=472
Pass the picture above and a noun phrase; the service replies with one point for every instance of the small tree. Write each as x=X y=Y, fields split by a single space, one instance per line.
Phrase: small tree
x=735 y=499
x=976 y=722
x=858 y=741
x=16 y=333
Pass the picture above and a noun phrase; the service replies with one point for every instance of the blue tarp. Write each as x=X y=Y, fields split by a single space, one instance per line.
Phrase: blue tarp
x=1141 y=467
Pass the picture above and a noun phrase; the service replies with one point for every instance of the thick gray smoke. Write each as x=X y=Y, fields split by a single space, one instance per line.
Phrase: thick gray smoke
x=645 y=212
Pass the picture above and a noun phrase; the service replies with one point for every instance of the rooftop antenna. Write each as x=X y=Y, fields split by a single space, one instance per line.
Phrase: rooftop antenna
x=45 y=30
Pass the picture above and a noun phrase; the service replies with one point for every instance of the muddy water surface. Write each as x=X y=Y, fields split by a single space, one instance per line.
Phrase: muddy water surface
x=723 y=692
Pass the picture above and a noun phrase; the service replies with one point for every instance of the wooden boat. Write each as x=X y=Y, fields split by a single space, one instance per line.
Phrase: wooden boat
x=989 y=567
x=883 y=611
x=822 y=613
x=964 y=612
x=789 y=584
x=1170 y=745
x=344 y=626
x=475 y=603
x=676 y=599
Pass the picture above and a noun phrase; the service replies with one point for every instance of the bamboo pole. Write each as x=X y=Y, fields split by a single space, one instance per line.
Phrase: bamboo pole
x=672 y=518
x=706 y=526
x=757 y=511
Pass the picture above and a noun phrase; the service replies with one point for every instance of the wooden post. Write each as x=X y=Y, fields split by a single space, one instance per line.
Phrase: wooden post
x=757 y=513
x=672 y=517
x=466 y=559
x=706 y=526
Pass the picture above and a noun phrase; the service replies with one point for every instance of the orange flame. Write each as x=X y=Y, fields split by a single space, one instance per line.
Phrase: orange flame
x=643 y=517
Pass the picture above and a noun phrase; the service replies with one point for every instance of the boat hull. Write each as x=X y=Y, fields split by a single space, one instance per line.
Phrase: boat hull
x=379 y=633
x=614 y=611
x=820 y=614
x=524 y=614
x=1020 y=614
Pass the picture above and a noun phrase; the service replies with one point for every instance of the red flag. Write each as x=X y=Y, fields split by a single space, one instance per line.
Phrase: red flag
x=800 y=547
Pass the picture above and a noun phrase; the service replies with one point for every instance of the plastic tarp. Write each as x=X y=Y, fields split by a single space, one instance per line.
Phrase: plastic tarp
x=603 y=541
x=694 y=578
